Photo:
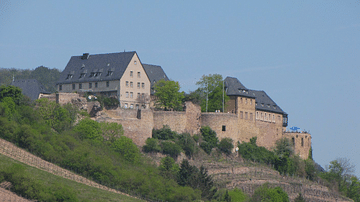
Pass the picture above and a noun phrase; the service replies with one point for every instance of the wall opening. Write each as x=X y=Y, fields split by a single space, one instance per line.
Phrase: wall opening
x=302 y=142
x=223 y=128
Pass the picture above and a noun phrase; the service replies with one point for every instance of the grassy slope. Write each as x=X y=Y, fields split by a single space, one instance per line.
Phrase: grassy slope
x=84 y=192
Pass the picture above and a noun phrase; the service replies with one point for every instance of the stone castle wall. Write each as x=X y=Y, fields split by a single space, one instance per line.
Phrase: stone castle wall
x=224 y=124
x=301 y=142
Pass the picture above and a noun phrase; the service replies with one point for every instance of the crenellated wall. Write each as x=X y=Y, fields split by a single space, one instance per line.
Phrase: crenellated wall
x=301 y=142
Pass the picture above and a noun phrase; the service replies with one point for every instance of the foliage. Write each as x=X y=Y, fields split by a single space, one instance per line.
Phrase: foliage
x=25 y=185
x=11 y=92
x=237 y=195
x=126 y=148
x=46 y=76
x=111 y=131
x=89 y=129
x=108 y=102
x=171 y=149
x=211 y=86
x=254 y=153
x=57 y=117
x=210 y=139
x=168 y=167
x=187 y=143
x=198 y=179
x=226 y=145
x=168 y=95
x=151 y=145
x=165 y=133
x=283 y=147
x=265 y=193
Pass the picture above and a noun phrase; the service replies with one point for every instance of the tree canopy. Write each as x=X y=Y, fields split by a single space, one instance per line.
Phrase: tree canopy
x=168 y=95
x=211 y=88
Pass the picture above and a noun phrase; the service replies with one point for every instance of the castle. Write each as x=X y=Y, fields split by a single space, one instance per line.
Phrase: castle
x=248 y=113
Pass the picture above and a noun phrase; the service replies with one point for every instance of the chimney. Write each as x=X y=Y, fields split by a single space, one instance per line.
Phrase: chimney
x=85 y=56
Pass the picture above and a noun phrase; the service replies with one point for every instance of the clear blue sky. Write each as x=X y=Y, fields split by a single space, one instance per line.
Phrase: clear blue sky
x=304 y=54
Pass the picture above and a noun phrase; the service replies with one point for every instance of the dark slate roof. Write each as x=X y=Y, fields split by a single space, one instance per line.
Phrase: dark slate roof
x=263 y=102
x=99 y=64
x=234 y=87
x=30 y=87
x=155 y=73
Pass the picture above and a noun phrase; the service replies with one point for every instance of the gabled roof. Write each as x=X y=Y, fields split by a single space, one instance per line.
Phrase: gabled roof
x=263 y=102
x=235 y=87
x=30 y=87
x=88 y=68
x=155 y=73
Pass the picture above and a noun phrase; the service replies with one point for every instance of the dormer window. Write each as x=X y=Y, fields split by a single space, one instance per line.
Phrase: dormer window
x=82 y=75
x=69 y=76
x=109 y=73
x=92 y=74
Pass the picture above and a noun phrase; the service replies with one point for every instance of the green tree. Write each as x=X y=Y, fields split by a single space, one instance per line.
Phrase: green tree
x=168 y=167
x=11 y=92
x=89 y=129
x=226 y=145
x=165 y=133
x=210 y=139
x=126 y=148
x=283 y=147
x=171 y=149
x=151 y=145
x=168 y=95
x=211 y=88
x=111 y=131
x=187 y=143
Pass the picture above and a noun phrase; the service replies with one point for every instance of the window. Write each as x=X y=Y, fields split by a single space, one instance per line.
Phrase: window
x=273 y=118
x=82 y=75
x=60 y=87
x=131 y=106
x=80 y=85
x=69 y=76
x=73 y=86
x=251 y=116
x=257 y=115
x=95 y=84
x=143 y=85
x=265 y=117
x=131 y=84
x=302 y=142
x=109 y=73
x=241 y=114
x=138 y=95
x=138 y=85
x=293 y=141
x=241 y=100
x=142 y=95
x=269 y=117
x=250 y=101
x=137 y=106
x=131 y=73
x=90 y=85
x=246 y=101
x=139 y=75
x=107 y=84
x=127 y=94
x=135 y=62
x=131 y=94
x=125 y=105
x=127 y=84
x=246 y=115
x=223 y=128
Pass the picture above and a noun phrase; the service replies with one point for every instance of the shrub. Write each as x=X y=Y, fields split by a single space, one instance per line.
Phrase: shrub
x=151 y=145
x=89 y=129
x=108 y=102
x=264 y=193
x=187 y=143
x=126 y=148
x=254 y=153
x=226 y=145
x=209 y=138
x=164 y=134
x=171 y=149
x=237 y=195
x=168 y=167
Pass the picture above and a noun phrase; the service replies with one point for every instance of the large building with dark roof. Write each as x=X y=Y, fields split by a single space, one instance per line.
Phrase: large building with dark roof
x=121 y=75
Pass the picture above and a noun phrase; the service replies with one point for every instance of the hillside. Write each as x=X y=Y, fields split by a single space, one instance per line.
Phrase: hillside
x=50 y=173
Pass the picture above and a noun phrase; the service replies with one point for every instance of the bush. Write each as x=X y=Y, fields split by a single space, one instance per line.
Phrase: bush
x=237 y=195
x=151 y=145
x=264 y=193
x=164 y=134
x=209 y=138
x=187 y=143
x=126 y=148
x=171 y=149
x=108 y=102
x=226 y=145
x=254 y=153
x=89 y=129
